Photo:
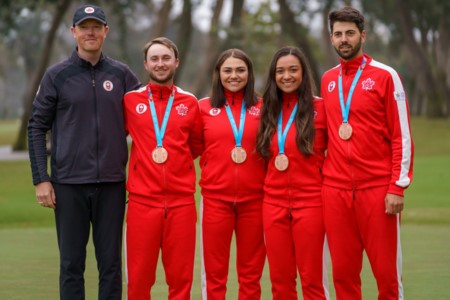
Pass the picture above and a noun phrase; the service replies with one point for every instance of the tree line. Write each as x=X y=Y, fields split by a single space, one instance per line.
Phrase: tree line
x=411 y=36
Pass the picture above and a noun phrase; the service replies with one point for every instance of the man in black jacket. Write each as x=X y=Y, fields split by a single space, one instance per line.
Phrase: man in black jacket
x=80 y=101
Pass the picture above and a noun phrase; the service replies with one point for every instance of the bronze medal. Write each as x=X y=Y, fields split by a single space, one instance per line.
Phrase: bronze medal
x=345 y=131
x=238 y=155
x=159 y=155
x=281 y=162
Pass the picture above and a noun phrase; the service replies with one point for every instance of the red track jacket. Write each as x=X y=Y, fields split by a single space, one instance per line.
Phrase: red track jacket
x=301 y=184
x=222 y=179
x=173 y=182
x=380 y=151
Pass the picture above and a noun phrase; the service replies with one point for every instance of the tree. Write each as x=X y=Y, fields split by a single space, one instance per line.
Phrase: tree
x=427 y=52
x=61 y=9
x=211 y=52
x=162 y=21
x=299 y=33
x=184 y=35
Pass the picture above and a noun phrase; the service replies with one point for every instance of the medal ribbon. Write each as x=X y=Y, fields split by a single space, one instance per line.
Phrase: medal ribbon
x=237 y=134
x=159 y=132
x=345 y=107
x=282 y=134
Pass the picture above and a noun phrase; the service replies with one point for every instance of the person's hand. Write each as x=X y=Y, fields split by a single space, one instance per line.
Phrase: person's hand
x=394 y=204
x=45 y=195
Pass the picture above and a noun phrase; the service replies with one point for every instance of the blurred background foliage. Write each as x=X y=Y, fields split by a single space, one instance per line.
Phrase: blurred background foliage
x=411 y=36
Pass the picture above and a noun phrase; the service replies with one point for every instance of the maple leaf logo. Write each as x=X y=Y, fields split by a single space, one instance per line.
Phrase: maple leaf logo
x=182 y=110
x=254 y=111
x=368 y=84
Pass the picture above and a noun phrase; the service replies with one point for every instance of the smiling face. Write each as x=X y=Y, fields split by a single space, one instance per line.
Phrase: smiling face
x=288 y=73
x=234 y=74
x=90 y=35
x=347 y=40
x=161 y=64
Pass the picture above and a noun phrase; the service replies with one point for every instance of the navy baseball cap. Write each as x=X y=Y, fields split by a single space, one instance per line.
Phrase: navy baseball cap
x=86 y=12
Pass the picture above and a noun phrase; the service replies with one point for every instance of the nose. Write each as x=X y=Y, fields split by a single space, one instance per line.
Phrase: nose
x=286 y=75
x=90 y=30
x=159 y=62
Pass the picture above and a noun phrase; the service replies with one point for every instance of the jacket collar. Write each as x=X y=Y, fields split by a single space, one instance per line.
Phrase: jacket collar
x=234 y=97
x=352 y=66
x=76 y=59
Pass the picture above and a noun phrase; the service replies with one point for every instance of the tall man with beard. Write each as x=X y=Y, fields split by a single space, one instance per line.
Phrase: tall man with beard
x=165 y=126
x=369 y=162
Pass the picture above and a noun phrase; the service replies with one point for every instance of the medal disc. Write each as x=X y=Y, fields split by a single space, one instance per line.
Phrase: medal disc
x=159 y=155
x=345 y=131
x=281 y=162
x=238 y=155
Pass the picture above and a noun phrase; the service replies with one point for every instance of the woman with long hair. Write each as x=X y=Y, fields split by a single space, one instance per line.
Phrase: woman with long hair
x=292 y=138
x=232 y=179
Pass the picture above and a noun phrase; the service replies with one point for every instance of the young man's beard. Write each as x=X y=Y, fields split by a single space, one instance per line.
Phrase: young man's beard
x=352 y=54
x=163 y=80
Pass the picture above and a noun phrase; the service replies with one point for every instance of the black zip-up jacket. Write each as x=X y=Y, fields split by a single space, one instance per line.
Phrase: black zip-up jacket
x=82 y=106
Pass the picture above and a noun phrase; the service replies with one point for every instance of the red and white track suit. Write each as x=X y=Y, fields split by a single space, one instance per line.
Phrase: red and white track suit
x=232 y=201
x=161 y=212
x=292 y=213
x=358 y=173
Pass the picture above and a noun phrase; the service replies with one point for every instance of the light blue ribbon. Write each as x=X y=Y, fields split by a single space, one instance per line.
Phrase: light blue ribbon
x=237 y=134
x=159 y=132
x=345 y=107
x=282 y=134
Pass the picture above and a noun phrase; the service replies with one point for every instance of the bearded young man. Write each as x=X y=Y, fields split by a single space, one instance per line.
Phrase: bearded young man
x=369 y=162
x=165 y=126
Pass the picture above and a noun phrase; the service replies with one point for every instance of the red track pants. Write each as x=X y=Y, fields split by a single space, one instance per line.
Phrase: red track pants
x=151 y=229
x=219 y=220
x=295 y=239
x=356 y=221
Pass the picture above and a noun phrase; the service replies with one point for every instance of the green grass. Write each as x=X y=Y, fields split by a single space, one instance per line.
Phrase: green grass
x=8 y=131
x=29 y=260
x=29 y=255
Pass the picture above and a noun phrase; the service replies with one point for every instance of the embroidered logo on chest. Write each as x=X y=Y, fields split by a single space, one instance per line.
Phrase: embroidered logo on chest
x=108 y=85
x=254 y=111
x=182 y=110
x=331 y=86
x=367 y=84
x=214 y=111
x=141 y=108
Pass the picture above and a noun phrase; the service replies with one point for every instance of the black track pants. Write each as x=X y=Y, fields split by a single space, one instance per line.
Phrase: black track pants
x=77 y=207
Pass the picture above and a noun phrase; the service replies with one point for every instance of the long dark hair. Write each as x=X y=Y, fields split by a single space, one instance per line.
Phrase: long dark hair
x=272 y=101
x=217 y=98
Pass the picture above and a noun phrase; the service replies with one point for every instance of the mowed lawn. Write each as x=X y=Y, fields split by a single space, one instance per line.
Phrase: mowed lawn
x=29 y=255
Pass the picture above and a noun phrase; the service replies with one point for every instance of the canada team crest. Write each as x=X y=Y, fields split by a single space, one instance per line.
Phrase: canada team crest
x=214 y=111
x=108 y=85
x=141 y=108
x=331 y=86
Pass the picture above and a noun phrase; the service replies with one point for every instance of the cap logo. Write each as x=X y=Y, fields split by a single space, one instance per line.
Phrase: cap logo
x=89 y=10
